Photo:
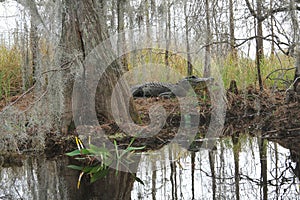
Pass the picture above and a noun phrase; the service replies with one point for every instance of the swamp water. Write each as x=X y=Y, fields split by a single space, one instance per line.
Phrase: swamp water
x=249 y=168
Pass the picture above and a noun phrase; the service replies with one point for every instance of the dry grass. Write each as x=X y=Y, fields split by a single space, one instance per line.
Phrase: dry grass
x=243 y=70
x=10 y=71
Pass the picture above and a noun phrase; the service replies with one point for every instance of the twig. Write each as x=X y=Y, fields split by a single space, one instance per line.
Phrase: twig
x=272 y=131
x=292 y=84
x=294 y=129
x=18 y=192
x=20 y=97
x=31 y=104
x=289 y=130
x=244 y=40
x=287 y=69
x=62 y=66
x=280 y=79
x=30 y=89
x=59 y=69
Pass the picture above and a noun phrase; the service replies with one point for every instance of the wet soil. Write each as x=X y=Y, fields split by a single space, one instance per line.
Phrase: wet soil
x=263 y=113
x=257 y=113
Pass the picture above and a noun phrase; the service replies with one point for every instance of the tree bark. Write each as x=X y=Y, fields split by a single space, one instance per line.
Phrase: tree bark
x=296 y=85
x=206 y=72
x=259 y=18
x=259 y=43
x=115 y=185
x=231 y=27
x=272 y=54
x=296 y=39
x=83 y=28
x=121 y=40
x=113 y=17
x=167 y=33
x=189 y=59
x=236 y=151
x=263 y=166
x=34 y=47
x=212 y=160
x=26 y=72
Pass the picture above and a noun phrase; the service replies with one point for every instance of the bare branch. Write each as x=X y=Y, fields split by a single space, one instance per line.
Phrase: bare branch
x=33 y=12
x=18 y=99
x=269 y=12
x=250 y=38
x=286 y=69
x=252 y=12
x=277 y=10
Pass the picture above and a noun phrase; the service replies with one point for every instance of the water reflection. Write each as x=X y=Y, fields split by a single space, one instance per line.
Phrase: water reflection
x=238 y=168
x=44 y=179
x=245 y=168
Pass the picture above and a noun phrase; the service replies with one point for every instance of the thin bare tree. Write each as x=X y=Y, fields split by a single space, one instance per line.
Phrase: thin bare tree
x=206 y=72
x=231 y=28
x=187 y=29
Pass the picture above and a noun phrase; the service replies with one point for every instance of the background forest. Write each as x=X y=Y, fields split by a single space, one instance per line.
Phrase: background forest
x=44 y=43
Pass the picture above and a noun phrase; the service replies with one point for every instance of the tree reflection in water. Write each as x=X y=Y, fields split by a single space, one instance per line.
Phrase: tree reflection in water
x=239 y=168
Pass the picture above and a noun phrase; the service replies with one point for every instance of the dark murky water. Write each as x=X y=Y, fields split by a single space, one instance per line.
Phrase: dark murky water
x=247 y=169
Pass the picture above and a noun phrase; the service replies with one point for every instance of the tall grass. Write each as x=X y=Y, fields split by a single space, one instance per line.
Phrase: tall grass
x=243 y=70
x=278 y=78
x=10 y=71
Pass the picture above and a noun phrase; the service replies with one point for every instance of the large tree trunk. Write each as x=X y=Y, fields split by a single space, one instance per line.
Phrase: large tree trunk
x=296 y=40
x=121 y=25
x=297 y=72
x=112 y=186
x=84 y=29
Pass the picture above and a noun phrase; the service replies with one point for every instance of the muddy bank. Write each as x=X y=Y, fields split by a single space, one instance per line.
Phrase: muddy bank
x=253 y=112
x=264 y=114
x=249 y=112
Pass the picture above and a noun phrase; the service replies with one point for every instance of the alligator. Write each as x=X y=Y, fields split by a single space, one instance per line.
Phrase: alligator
x=159 y=89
